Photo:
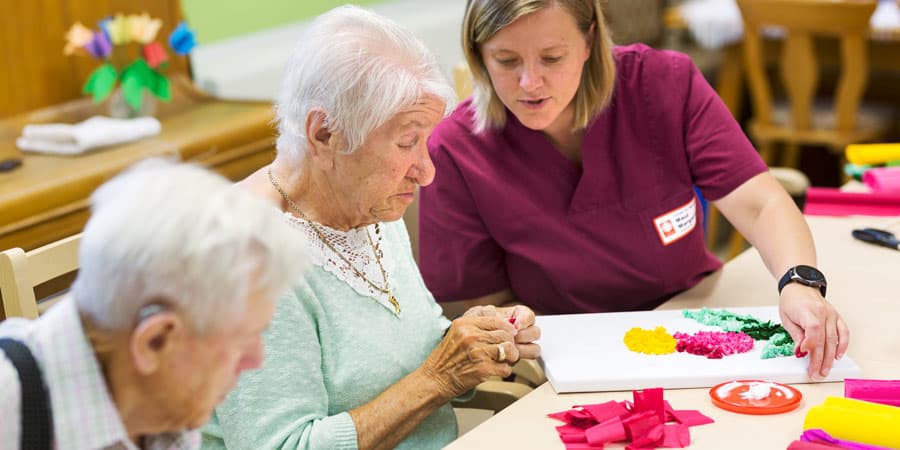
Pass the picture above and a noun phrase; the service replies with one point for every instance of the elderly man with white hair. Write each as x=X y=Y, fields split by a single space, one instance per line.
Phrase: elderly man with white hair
x=360 y=355
x=179 y=273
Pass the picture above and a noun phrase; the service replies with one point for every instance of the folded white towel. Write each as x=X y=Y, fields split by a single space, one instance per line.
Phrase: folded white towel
x=98 y=131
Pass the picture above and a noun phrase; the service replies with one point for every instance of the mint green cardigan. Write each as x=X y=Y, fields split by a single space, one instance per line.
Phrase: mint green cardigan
x=329 y=350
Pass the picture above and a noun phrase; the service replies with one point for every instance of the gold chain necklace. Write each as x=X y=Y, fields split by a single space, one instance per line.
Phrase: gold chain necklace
x=376 y=248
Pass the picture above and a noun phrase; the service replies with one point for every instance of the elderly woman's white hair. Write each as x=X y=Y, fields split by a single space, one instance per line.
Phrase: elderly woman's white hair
x=179 y=235
x=360 y=69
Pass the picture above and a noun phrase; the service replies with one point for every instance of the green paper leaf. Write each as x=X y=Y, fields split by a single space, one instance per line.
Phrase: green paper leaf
x=135 y=78
x=159 y=86
x=101 y=82
x=132 y=90
x=139 y=76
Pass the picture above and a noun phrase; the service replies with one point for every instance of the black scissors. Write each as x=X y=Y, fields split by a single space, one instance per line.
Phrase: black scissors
x=877 y=237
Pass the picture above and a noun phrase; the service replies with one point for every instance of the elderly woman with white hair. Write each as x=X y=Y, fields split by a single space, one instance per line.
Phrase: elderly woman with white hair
x=179 y=273
x=359 y=354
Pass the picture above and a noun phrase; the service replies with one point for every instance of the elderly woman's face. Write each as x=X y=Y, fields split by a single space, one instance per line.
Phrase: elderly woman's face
x=535 y=66
x=379 y=179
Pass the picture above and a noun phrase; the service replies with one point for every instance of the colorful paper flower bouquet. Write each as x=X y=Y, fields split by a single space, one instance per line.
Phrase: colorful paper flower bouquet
x=136 y=68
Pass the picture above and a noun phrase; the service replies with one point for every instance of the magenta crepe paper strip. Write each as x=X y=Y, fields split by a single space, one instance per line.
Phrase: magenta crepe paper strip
x=676 y=436
x=611 y=431
x=581 y=419
x=652 y=439
x=580 y=446
x=886 y=392
x=569 y=429
x=640 y=424
x=834 y=202
x=573 y=438
x=643 y=423
x=821 y=437
x=650 y=400
x=603 y=411
x=691 y=417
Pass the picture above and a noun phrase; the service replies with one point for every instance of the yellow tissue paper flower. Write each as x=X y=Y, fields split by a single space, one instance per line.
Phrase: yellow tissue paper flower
x=78 y=36
x=118 y=30
x=143 y=28
x=652 y=342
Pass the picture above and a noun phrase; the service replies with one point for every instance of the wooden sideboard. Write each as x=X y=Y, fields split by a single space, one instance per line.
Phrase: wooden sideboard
x=46 y=198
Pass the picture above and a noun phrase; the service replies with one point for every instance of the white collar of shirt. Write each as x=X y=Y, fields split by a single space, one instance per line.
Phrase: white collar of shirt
x=352 y=251
x=84 y=415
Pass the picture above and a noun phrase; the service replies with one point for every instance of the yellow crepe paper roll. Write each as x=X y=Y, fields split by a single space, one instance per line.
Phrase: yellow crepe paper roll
x=856 y=420
x=872 y=153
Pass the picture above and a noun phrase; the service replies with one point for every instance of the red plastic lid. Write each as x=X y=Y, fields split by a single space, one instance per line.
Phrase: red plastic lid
x=755 y=397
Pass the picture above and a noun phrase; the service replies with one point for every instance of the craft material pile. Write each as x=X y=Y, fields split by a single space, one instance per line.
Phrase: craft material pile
x=865 y=419
x=647 y=423
x=737 y=336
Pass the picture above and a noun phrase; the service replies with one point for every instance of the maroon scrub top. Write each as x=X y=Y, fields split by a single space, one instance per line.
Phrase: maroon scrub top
x=508 y=210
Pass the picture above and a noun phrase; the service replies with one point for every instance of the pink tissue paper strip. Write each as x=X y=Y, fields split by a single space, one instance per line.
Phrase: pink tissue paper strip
x=883 y=179
x=886 y=392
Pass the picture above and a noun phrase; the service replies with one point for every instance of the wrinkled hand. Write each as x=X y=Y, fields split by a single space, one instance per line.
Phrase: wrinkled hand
x=470 y=353
x=522 y=318
x=815 y=326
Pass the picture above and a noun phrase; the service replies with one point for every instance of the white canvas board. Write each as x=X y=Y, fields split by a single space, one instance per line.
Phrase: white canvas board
x=586 y=353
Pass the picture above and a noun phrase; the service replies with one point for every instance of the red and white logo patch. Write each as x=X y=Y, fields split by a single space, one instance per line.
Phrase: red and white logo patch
x=677 y=223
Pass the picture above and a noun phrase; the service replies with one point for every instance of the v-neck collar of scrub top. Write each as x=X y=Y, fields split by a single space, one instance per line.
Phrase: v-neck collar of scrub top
x=584 y=181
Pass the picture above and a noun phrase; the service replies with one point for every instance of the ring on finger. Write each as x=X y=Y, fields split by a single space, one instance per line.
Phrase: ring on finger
x=501 y=353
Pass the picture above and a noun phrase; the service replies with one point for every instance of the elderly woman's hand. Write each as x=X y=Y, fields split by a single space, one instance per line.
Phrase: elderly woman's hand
x=815 y=326
x=475 y=347
x=522 y=318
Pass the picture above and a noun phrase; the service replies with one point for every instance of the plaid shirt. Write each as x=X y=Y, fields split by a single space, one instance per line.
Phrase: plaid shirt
x=84 y=415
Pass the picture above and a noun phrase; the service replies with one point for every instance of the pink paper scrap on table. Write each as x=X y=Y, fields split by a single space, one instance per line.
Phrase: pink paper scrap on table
x=883 y=179
x=886 y=392
x=648 y=422
x=834 y=202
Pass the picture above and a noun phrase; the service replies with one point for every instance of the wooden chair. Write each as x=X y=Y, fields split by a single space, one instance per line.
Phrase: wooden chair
x=802 y=119
x=21 y=272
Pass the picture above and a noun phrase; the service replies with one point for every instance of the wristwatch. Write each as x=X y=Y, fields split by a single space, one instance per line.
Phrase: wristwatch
x=806 y=275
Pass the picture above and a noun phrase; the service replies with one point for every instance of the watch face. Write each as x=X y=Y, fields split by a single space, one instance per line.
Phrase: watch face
x=809 y=273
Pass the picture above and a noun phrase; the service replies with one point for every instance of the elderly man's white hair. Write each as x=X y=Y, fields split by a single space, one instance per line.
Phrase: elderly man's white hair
x=361 y=69
x=179 y=235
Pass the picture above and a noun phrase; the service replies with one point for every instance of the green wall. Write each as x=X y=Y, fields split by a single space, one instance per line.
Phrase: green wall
x=214 y=20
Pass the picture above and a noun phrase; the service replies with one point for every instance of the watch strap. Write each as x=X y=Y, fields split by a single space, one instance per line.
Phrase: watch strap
x=788 y=277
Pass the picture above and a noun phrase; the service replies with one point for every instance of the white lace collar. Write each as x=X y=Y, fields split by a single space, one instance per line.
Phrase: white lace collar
x=355 y=247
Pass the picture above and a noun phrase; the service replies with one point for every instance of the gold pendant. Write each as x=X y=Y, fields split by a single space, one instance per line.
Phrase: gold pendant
x=394 y=302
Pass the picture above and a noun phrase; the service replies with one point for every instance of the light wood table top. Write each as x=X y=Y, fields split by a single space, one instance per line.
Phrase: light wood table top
x=863 y=284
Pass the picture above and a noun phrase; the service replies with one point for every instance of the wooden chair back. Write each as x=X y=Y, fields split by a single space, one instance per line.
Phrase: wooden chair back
x=802 y=20
x=21 y=272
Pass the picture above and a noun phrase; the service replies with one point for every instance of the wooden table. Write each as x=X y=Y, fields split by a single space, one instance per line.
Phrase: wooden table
x=46 y=198
x=862 y=284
